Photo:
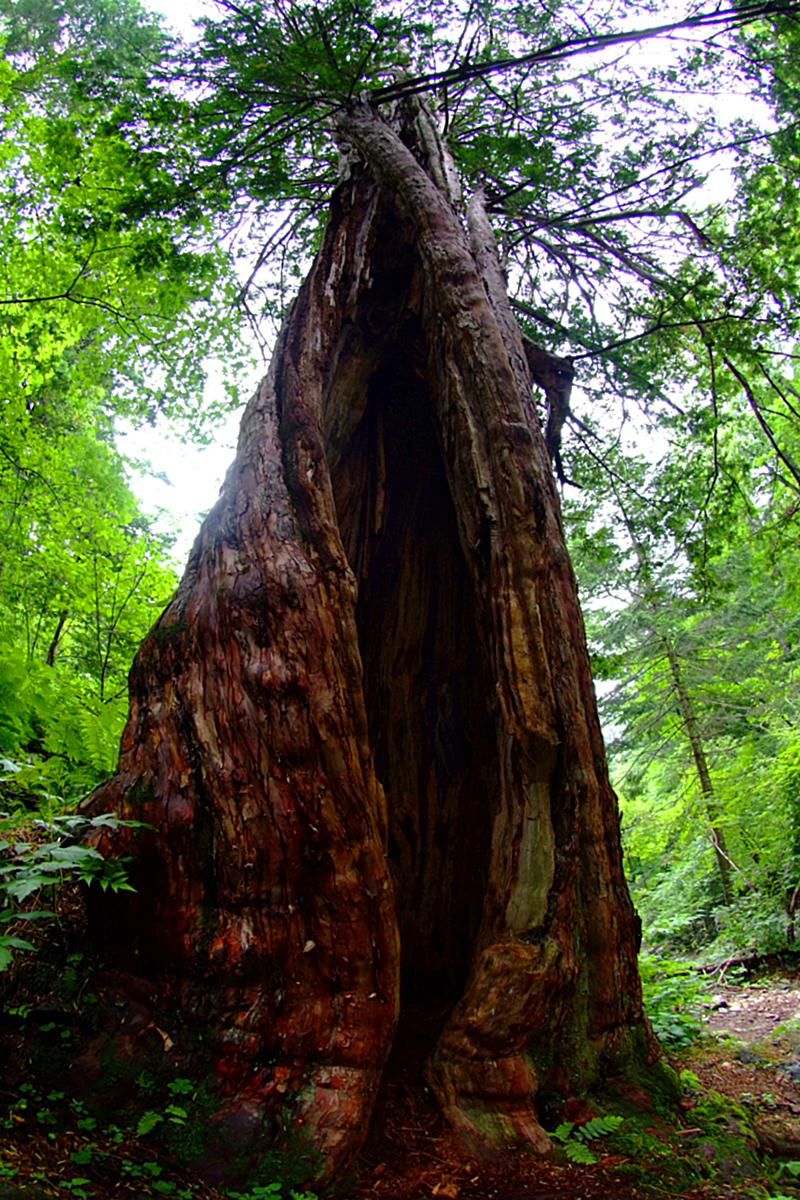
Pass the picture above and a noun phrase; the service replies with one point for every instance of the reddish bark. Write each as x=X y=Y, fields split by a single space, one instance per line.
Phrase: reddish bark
x=381 y=600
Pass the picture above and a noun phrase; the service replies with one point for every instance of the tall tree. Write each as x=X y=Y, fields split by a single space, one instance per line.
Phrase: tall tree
x=96 y=315
x=100 y=309
x=363 y=735
x=696 y=627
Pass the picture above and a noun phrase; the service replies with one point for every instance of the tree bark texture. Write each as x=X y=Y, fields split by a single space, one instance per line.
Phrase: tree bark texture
x=364 y=731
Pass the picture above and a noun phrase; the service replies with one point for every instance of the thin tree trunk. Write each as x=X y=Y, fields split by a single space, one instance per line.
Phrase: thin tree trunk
x=710 y=805
x=53 y=647
x=688 y=716
x=364 y=730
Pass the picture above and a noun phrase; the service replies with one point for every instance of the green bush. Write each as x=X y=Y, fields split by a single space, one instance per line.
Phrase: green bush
x=30 y=869
x=673 y=995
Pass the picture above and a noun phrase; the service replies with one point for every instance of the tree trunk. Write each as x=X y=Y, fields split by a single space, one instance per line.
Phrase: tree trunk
x=56 y=638
x=364 y=730
x=690 y=724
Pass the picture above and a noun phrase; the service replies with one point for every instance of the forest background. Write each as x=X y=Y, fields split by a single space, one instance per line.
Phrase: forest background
x=159 y=202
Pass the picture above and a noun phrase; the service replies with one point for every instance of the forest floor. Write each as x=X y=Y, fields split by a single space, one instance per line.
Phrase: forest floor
x=734 y=1133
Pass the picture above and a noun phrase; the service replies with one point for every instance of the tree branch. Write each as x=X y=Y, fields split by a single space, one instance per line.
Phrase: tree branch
x=588 y=44
x=785 y=458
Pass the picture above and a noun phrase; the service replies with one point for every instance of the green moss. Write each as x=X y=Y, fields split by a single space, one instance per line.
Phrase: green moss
x=714 y=1107
x=291 y=1161
x=722 y=1147
x=650 y=1143
x=187 y=1141
x=661 y=1085
x=715 y=1148
x=145 y=1083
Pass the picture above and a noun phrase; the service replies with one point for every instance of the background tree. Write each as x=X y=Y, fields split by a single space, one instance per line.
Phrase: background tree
x=100 y=316
x=692 y=615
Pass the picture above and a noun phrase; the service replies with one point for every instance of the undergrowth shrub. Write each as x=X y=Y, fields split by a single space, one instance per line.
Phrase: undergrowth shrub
x=57 y=739
x=673 y=997
x=36 y=868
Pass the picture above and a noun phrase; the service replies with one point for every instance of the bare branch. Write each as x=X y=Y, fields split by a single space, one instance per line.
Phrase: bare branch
x=588 y=44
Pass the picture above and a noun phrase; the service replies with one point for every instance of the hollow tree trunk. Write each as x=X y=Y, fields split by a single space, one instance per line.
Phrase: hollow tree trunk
x=364 y=730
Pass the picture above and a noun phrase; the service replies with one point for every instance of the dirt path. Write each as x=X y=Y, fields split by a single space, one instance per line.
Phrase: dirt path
x=754 y=1058
x=752 y=1013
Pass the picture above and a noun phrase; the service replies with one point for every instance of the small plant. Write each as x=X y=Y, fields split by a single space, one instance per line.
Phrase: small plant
x=148 y=1122
x=576 y=1138
x=180 y=1087
x=83 y=1122
x=83 y=1157
x=26 y=868
x=673 y=994
x=76 y=1187
x=145 y=1083
x=270 y=1191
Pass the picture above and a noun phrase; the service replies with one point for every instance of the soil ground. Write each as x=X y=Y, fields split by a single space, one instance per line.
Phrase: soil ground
x=741 y=1100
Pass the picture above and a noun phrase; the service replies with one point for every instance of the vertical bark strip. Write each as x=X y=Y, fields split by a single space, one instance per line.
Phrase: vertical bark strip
x=369 y=708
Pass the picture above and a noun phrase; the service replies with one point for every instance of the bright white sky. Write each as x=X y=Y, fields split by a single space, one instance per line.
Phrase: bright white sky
x=181 y=13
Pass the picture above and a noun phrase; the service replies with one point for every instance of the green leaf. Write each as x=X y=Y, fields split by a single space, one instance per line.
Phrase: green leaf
x=26 y=916
x=15 y=943
x=147 y=1122
x=579 y=1152
x=563 y=1131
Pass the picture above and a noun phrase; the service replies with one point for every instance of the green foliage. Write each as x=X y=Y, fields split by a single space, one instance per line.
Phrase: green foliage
x=576 y=1138
x=93 y=302
x=673 y=994
x=58 y=739
x=270 y=1191
x=29 y=869
x=147 y=1122
x=693 y=621
x=92 y=313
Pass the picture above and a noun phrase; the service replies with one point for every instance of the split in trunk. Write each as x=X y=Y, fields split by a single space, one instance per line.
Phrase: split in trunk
x=364 y=731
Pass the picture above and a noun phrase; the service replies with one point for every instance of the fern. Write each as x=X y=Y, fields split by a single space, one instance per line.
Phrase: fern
x=100 y=735
x=579 y=1152
x=26 y=868
x=600 y=1127
x=575 y=1138
x=148 y=1122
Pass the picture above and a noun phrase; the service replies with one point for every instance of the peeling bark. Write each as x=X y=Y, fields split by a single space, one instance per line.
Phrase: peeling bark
x=365 y=730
